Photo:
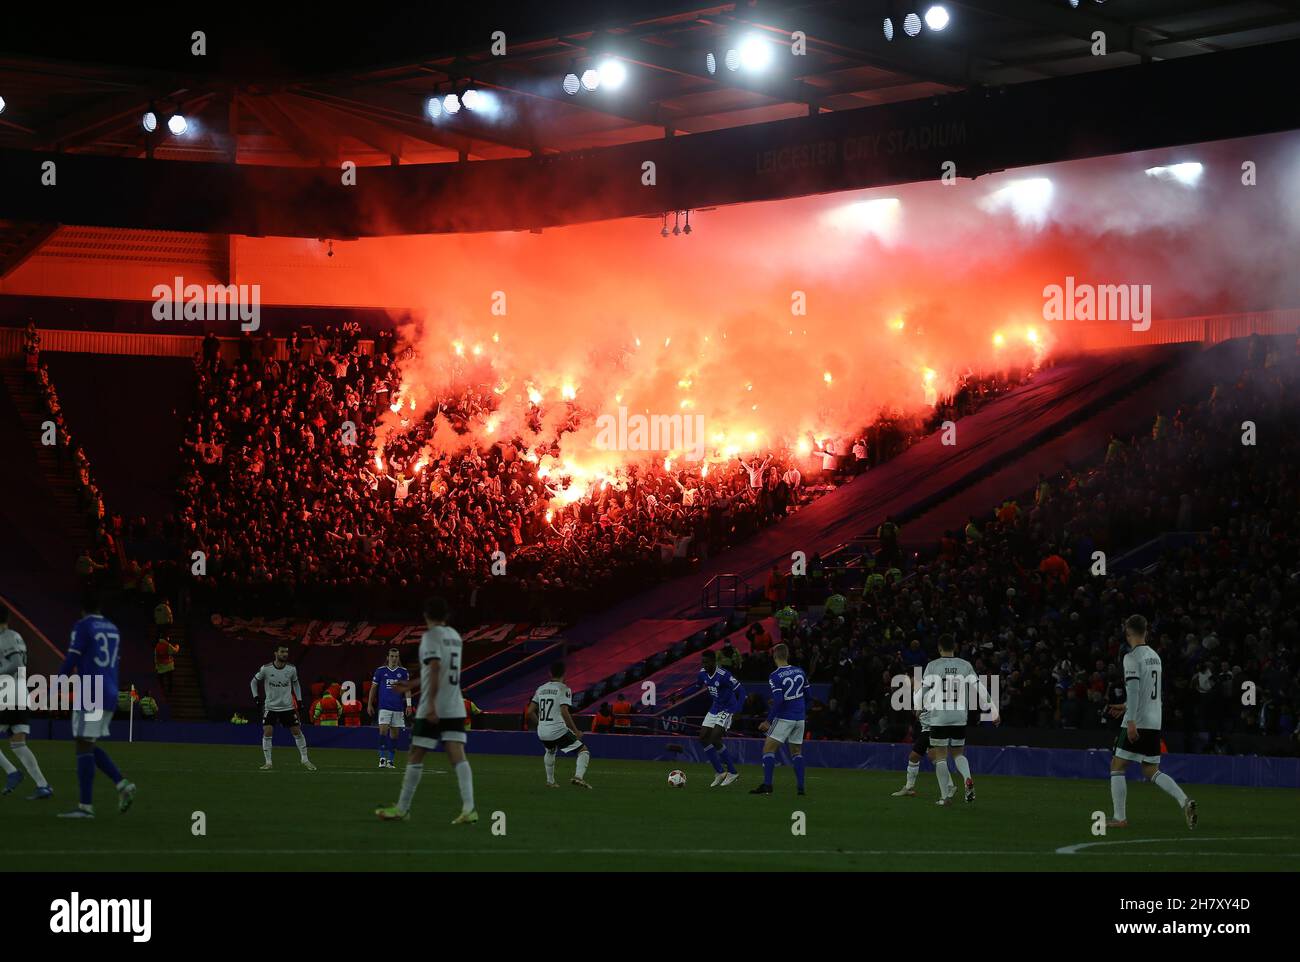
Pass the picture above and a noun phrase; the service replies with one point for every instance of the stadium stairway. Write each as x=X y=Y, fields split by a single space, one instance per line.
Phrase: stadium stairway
x=926 y=474
x=677 y=679
x=58 y=473
x=186 y=700
x=118 y=404
x=1131 y=410
x=599 y=668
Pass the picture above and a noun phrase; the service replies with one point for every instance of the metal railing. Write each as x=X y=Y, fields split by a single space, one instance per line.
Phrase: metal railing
x=724 y=591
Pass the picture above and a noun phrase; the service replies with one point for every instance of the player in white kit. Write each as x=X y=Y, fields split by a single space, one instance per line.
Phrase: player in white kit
x=440 y=716
x=1139 y=737
x=920 y=746
x=549 y=711
x=13 y=717
x=947 y=685
x=280 y=679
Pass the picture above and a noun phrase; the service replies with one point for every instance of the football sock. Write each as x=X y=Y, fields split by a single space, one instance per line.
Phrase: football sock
x=105 y=765
x=301 y=742
x=1162 y=781
x=798 y=771
x=383 y=746
x=725 y=756
x=711 y=752
x=466 y=779
x=963 y=766
x=1119 y=795
x=548 y=759
x=86 y=777
x=6 y=766
x=769 y=766
x=24 y=755
x=410 y=782
x=584 y=759
x=913 y=769
x=266 y=749
x=945 y=779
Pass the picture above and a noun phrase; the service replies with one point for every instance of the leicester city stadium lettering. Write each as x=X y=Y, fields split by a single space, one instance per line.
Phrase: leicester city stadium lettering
x=393 y=633
x=852 y=150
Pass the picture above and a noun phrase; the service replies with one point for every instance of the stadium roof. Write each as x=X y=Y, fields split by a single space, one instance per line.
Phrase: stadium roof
x=275 y=88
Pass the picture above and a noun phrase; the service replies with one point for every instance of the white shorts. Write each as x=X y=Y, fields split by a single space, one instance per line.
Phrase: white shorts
x=786 y=731
x=89 y=728
x=16 y=729
x=392 y=718
x=721 y=719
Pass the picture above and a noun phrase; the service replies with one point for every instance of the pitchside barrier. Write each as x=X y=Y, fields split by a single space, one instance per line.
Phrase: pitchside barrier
x=1250 y=771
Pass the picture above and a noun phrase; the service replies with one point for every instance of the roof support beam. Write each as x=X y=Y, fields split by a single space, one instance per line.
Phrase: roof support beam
x=301 y=140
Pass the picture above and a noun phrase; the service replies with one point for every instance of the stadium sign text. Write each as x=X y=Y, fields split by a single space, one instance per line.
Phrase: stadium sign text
x=860 y=149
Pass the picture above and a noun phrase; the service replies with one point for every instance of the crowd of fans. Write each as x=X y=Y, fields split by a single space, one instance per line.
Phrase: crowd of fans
x=297 y=503
x=300 y=501
x=1023 y=590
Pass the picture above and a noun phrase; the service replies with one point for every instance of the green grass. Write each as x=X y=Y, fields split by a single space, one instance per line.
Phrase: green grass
x=291 y=819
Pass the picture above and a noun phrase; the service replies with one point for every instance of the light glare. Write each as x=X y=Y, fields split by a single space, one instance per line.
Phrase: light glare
x=936 y=18
x=613 y=73
x=755 y=53
x=1027 y=199
x=1186 y=173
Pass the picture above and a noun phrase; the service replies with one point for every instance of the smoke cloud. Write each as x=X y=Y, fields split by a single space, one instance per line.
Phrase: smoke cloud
x=778 y=319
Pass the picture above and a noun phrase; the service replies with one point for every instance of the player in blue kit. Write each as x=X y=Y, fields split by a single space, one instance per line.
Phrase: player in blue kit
x=393 y=706
x=785 y=718
x=728 y=696
x=92 y=657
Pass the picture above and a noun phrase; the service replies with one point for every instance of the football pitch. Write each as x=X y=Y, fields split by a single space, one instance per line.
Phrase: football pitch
x=632 y=820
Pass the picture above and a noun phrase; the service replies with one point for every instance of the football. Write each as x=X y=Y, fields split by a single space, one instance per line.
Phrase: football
x=677 y=778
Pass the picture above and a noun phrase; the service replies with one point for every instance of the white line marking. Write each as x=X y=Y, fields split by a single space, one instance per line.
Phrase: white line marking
x=1076 y=849
x=506 y=851
x=601 y=851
